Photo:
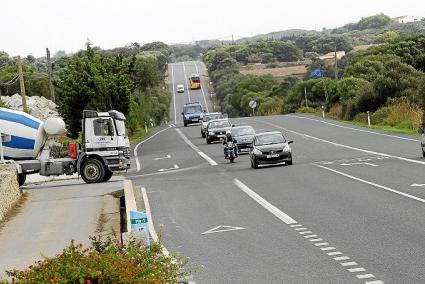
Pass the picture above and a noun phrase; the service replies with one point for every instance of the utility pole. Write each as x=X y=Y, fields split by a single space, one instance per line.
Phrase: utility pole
x=50 y=76
x=233 y=40
x=22 y=84
x=336 y=65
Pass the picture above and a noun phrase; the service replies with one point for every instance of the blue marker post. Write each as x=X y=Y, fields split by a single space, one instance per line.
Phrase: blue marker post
x=139 y=221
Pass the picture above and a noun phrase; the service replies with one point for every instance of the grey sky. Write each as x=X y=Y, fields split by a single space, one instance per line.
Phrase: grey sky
x=29 y=26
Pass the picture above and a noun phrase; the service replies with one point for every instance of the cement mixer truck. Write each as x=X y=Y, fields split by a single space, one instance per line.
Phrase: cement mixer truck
x=104 y=148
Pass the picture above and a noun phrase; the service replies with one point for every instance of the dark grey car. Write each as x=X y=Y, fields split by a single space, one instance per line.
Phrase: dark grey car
x=216 y=130
x=270 y=148
x=243 y=135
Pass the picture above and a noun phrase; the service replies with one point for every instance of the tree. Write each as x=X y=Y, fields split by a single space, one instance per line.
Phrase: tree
x=92 y=80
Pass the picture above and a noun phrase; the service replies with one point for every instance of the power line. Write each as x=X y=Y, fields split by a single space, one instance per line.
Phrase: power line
x=12 y=81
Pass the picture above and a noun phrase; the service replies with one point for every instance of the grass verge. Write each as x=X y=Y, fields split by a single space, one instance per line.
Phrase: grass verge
x=139 y=134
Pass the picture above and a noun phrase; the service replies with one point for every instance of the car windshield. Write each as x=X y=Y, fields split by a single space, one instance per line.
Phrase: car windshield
x=209 y=117
x=192 y=109
x=241 y=131
x=269 y=139
x=219 y=124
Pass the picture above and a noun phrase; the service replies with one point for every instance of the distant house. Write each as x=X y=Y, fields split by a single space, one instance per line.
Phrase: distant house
x=406 y=19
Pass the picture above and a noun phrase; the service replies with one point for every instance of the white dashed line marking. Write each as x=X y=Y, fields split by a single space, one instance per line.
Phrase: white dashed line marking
x=351 y=263
x=351 y=266
x=321 y=244
x=316 y=240
x=365 y=276
x=334 y=253
x=358 y=269
x=341 y=258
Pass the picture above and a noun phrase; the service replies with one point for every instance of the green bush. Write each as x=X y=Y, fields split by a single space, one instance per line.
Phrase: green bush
x=105 y=262
x=361 y=117
x=379 y=116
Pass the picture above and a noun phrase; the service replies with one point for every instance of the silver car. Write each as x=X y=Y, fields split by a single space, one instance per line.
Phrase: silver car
x=207 y=117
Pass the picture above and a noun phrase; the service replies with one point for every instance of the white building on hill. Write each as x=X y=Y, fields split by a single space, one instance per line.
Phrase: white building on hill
x=406 y=19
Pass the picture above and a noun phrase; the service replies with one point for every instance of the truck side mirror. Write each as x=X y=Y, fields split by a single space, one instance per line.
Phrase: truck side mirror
x=421 y=130
x=290 y=142
x=182 y=113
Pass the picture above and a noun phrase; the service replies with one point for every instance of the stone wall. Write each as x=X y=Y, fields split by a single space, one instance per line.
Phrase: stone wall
x=9 y=189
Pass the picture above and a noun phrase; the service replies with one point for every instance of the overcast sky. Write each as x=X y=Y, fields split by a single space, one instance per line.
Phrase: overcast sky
x=29 y=26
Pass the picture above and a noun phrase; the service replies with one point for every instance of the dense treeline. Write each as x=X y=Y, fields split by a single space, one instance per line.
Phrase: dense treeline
x=376 y=79
x=129 y=79
x=132 y=83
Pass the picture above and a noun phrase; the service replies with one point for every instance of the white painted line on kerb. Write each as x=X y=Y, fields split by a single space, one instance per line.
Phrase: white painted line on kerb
x=355 y=129
x=174 y=94
x=305 y=232
x=341 y=145
x=341 y=258
x=268 y=206
x=321 y=244
x=300 y=229
x=375 y=282
x=152 y=231
x=334 y=253
x=372 y=184
x=365 y=276
x=310 y=236
x=358 y=269
x=351 y=263
x=316 y=240
x=327 y=248
x=196 y=149
x=296 y=225
x=143 y=141
x=202 y=88
x=186 y=79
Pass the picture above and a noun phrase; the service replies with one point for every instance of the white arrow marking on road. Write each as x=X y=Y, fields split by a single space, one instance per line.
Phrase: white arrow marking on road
x=170 y=169
x=162 y=158
x=351 y=164
x=418 y=184
x=222 y=228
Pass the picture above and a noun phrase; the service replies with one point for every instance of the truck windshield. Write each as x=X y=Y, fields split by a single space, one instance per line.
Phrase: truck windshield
x=121 y=130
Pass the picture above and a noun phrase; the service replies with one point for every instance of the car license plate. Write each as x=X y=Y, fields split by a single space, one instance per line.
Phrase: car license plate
x=245 y=150
x=220 y=136
x=272 y=156
x=194 y=119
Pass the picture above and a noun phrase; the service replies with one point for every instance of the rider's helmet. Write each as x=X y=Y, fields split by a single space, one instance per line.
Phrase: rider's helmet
x=228 y=134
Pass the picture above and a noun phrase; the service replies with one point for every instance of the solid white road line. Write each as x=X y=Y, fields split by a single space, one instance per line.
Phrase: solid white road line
x=341 y=145
x=355 y=129
x=372 y=184
x=202 y=88
x=186 y=79
x=268 y=206
x=152 y=231
x=143 y=141
x=196 y=149
x=174 y=94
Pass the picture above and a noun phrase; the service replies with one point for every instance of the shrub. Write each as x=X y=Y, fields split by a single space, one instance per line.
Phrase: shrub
x=105 y=262
x=307 y=110
x=403 y=112
x=379 y=116
x=361 y=117
x=336 y=111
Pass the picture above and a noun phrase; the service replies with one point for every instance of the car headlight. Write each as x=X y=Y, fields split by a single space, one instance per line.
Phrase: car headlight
x=257 y=152
x=286 y=148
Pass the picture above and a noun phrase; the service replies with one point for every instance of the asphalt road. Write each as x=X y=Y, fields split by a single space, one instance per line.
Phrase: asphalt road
x=345 y=212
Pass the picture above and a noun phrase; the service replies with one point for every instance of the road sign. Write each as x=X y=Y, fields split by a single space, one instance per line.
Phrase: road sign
x=139 y=222
x=252 y=104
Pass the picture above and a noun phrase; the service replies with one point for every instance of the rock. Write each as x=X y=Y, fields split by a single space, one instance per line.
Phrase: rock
x=9 y=189
x=39 y=107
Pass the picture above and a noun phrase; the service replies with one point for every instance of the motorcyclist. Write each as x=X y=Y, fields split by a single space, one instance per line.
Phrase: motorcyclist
x=227 y=138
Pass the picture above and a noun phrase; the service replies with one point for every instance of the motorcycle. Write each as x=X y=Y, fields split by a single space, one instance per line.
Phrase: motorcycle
x=230 y=151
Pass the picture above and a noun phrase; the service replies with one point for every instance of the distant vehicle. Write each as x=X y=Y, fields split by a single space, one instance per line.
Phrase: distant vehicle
x=216 y=129
x=192 y=113
x=194 y=81
x=243 y=135
x=270 y=148
x=207 y=117
x=180 y=89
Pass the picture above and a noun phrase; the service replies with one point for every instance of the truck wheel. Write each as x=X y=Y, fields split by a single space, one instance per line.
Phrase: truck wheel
x=185 y=124
x=92 y=171
x=21 y=179
x=208 y=140
x=108 y=175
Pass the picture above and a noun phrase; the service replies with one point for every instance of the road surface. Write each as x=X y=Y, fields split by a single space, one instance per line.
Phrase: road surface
x=345 y=212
